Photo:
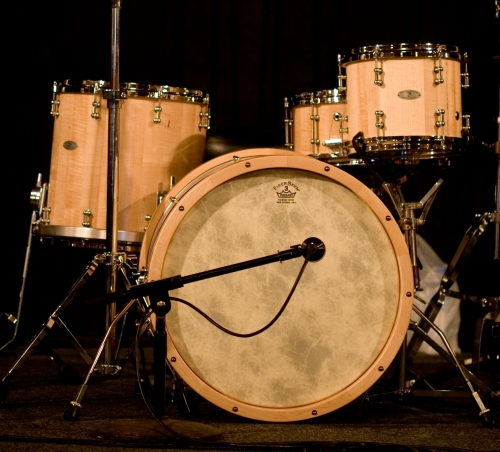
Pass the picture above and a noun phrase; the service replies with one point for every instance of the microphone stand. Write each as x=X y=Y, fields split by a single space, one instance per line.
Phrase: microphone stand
x=312 y=249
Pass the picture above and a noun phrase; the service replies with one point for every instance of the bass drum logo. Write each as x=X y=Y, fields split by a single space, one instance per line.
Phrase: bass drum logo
x=286 y=192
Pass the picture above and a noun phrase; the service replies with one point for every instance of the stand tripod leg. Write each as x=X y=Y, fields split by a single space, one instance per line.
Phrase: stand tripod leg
x=23 y=284
x=46 y=327
x=72 y=412
x=484 y=412
x=449 y=277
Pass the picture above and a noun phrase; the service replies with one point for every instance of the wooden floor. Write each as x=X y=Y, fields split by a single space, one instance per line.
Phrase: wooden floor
x=113 y=414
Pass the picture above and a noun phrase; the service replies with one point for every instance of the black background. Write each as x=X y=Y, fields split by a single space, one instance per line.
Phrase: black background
x=248 y=55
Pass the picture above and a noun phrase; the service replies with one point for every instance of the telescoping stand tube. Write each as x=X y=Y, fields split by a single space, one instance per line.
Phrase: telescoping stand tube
x=113 y=98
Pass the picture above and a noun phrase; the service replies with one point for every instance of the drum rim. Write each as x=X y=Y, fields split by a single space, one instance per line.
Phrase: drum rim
x=403 y=50
x=87 y=234
x=291 y=160
x=326 y=96
x=132 y=89
x=441 y=145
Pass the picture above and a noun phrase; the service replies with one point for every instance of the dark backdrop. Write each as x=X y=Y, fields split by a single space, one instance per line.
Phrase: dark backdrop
x=248 y=55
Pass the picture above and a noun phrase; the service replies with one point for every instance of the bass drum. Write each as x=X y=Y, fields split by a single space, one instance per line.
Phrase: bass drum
x=347 y=317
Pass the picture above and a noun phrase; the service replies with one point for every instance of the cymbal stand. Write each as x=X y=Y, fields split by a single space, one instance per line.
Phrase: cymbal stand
x=73 y=410
x=409 y=224
x=112 y=259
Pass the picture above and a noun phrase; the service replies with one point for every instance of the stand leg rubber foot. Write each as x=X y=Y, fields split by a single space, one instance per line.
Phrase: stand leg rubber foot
x=488 y=420
x=72 y=412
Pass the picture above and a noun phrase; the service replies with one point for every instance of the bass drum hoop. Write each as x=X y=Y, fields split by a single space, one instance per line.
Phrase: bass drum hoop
x=194 y=187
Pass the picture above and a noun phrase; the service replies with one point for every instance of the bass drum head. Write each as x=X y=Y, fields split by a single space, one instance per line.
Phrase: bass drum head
x=347 y=317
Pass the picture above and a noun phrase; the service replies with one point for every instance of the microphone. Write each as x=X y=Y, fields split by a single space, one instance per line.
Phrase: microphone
x=312 y=249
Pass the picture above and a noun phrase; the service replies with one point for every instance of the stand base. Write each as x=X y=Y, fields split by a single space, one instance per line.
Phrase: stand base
x=144 y=431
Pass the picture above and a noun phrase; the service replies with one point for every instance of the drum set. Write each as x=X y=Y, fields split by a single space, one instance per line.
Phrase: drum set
x=394 y=103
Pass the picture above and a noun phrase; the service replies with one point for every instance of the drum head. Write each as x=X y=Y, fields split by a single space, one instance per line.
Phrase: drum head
x=347 y=317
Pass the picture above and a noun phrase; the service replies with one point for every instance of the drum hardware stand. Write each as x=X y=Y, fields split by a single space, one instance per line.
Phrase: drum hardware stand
x=37 y=197
x=409 y=224
x=67 y=373
x=10 y=317
x=72 y=412
x=111 y=261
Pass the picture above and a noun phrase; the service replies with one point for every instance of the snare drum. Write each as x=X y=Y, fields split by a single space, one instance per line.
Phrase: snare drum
x=406 y=99
x=162 y=138
x=346 y=319
x=314 y=124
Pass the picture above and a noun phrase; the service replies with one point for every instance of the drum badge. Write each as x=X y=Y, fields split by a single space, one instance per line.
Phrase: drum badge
x=286 y=192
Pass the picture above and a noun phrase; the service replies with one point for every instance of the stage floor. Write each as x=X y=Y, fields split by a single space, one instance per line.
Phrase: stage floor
x=114 y=416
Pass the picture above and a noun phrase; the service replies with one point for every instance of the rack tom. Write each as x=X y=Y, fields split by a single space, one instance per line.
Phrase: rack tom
x=314 y=124
x=162 y=138
x=406 y=99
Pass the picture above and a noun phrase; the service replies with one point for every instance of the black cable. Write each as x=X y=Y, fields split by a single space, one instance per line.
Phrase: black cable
x=213 y=322
x=276 y=317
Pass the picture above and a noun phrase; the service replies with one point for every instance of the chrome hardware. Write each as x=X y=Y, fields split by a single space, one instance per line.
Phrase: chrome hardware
x=377 y=53
x=86 y=218
x=10 y=318
x=341 y=77
x=314 y=126
x=466 y=127
x=157 y=110
x=54 y=109
x=45 y=217
x=95 y=107
x=440 y=114
x=288 y=126
x=439 y=68
x=172 y=182
x=159 y=197
x=205 y=113
x=36 y=194
x=148 y=219
x=465 y=74
x=379 y=124
x=339 y=118
x=97 y=101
